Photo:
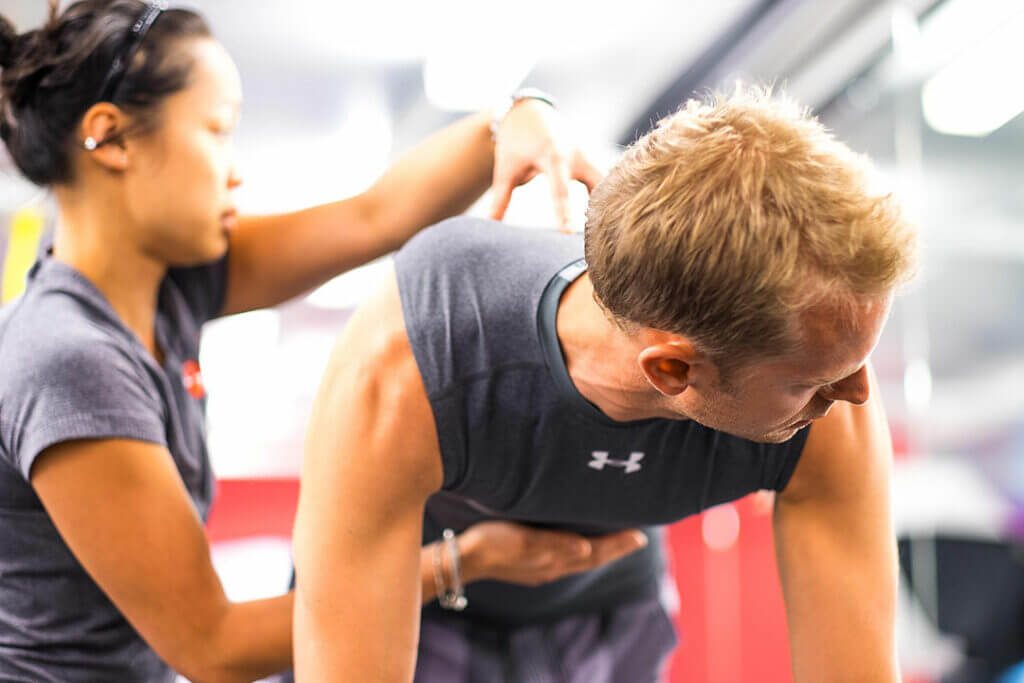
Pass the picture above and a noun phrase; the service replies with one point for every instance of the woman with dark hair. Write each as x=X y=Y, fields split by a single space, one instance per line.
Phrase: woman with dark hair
x=126 y=111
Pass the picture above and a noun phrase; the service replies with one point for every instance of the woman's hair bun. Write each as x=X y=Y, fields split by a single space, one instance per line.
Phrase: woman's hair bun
x=50 y=77
x=8 y=39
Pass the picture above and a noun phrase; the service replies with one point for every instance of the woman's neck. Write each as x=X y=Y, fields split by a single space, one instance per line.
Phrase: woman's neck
x=97 y=239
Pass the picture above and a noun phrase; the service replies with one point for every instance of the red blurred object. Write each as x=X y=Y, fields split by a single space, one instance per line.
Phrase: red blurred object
x=253 y=507
x=900 y=446
x=731 y=622
x=745 y=641
x=732 y=625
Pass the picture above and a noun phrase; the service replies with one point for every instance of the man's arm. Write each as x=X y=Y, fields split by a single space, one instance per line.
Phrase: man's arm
x=371 y=460
x=836 y=549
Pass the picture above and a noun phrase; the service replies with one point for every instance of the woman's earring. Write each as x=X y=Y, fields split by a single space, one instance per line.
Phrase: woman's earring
x=90 y=143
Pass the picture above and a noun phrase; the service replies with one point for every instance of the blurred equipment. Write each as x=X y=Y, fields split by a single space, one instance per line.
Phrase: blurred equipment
x=22 y=245
x=980 y=590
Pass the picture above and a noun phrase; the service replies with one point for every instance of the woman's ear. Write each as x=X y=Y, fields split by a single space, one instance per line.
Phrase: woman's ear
x=99 y=136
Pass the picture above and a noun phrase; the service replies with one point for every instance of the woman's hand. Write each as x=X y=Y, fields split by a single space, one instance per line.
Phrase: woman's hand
x=514 y=553
x=533 y=139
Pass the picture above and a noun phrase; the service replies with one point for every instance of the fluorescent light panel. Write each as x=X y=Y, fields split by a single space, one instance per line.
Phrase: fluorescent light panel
x=979 y=91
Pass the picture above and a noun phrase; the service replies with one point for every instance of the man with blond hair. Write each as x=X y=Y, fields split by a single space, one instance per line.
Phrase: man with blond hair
x=714 y=342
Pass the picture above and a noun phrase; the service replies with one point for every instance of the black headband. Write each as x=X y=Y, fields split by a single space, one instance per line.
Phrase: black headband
x=131 y=46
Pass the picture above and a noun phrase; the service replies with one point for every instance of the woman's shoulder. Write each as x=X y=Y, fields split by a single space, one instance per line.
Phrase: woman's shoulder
x=65 y=375
x=52 y=336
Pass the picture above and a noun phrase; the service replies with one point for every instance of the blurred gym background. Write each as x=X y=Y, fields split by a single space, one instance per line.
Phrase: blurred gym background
x=931 y=90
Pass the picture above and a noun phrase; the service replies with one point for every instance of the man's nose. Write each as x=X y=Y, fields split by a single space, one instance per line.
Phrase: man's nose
x=854 y=389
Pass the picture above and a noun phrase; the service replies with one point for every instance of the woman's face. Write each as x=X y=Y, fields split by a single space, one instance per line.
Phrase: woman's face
x=178 y=184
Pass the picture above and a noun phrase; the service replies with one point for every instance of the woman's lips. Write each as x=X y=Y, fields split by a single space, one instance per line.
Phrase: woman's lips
x=229 y=219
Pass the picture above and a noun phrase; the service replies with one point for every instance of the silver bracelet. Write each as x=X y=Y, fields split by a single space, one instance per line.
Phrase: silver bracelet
x=453 y=598
x=502 y=110
x=438 y=571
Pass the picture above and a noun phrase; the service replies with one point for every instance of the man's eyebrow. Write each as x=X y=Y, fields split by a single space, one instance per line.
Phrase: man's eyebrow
x=836 y=379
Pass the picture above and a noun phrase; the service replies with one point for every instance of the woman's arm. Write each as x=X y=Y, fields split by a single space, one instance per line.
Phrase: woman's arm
x=274 y=258
x=506 y=551
x=122 y=509
x=142 y=542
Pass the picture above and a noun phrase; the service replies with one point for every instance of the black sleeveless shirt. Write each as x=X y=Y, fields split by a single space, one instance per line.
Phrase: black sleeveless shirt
x=519 y=442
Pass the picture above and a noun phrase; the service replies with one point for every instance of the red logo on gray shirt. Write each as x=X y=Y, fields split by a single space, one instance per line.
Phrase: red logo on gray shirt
x=192 y=376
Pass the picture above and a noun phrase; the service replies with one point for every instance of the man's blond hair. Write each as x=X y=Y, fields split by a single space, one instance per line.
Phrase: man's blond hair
x=733 y=216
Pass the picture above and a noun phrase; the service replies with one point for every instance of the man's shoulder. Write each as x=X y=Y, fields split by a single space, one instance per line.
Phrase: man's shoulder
x=464 y=231
x=372 y=390
x=377 y=327
x=467 y=241
x=474 y=284
x=374 y=353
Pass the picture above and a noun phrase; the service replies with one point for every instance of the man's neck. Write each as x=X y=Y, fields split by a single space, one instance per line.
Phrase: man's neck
x=601 y=358
x=96 y=239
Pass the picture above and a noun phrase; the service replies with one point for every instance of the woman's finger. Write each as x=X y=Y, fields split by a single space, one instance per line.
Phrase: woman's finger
x=613 y=546
x=558 y=179
x=586 y=172
x=502 y=196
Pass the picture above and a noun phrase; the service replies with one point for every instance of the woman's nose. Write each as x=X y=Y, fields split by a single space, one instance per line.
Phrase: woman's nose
x=234 y=178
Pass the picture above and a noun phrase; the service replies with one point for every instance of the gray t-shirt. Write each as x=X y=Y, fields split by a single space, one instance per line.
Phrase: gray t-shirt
x=70 y=369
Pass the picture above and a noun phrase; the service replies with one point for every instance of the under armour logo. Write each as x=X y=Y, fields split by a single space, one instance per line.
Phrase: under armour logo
x=601 y=459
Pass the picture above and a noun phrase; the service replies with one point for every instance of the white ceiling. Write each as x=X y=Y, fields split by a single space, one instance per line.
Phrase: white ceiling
x=307 y=64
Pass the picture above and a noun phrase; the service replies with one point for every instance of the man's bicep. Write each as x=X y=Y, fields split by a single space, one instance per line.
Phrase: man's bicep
x=357 y=577
x=370 y=463
x=835 y=548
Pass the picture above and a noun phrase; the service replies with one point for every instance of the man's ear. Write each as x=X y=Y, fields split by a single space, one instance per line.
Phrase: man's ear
x=102 y=125
x=670 y=366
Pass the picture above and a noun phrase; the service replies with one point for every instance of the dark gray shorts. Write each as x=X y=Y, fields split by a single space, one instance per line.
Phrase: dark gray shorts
x=630 y=643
